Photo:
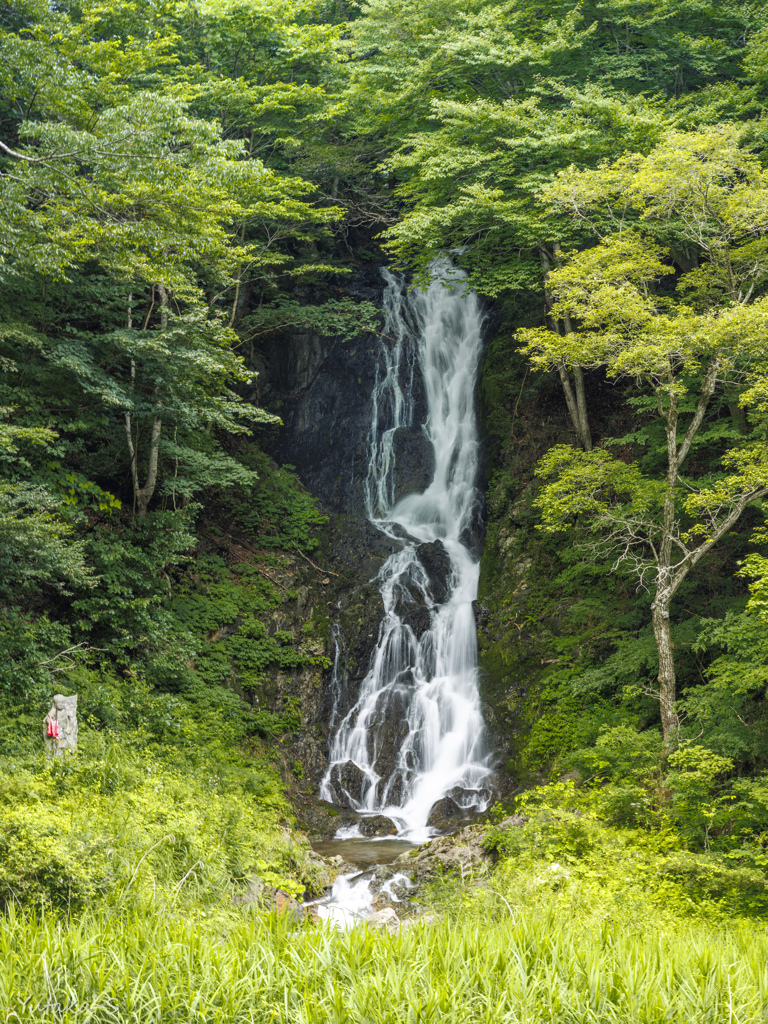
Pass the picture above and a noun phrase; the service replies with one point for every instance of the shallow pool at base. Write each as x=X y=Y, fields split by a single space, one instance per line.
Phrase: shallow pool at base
x=364 y=852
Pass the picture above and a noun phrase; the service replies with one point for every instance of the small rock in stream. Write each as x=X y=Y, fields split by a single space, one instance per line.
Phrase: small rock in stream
x=385 y=919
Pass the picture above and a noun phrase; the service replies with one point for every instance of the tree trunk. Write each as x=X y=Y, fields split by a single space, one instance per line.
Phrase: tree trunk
x=570 y=400
x=575 y=397
x=666 y=583
x=576 y=402
x=672 y=573
x=667 y=680
x=143 y=495
x=583 y=431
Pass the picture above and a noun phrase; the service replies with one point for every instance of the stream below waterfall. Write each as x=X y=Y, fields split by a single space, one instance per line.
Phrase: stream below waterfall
x=411 y=749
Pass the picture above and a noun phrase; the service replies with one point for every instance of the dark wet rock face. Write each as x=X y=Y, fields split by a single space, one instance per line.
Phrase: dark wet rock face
x=418 y=620
x=377 y=825
x=437 y=565
x=321 y=387
x=388 y=728
x=412 y=606
x=414 y=461
x=346 y=782
x=408 y=595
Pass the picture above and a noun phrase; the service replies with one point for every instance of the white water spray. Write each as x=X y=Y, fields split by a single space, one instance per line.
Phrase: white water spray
x=422 y=682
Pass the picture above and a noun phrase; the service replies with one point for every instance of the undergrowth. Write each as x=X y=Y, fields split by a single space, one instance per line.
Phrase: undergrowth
x=552 y=959
x=579 y=921
x=131 y=821
x=173 y=797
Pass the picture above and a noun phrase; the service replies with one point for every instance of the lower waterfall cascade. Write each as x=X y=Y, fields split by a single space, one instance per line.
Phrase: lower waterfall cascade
x=415 y=734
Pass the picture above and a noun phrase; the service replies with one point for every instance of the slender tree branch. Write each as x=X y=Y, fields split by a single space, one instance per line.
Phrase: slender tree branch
x=707 y=390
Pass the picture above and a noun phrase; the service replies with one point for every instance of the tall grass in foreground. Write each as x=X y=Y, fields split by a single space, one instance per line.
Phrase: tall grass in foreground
x=231 y=969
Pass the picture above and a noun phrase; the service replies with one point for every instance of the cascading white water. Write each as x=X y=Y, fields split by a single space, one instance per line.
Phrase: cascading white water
x=422 y=684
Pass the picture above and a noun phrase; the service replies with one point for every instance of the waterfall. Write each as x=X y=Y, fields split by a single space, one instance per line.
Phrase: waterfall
x=416 y=734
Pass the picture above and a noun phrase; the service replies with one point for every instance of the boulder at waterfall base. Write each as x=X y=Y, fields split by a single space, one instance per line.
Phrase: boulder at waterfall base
x=461 y=853
x=446 y=816
x=456 y=808
x=377 y=825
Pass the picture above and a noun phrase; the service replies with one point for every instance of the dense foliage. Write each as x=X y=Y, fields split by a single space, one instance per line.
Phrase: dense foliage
x=180 y=181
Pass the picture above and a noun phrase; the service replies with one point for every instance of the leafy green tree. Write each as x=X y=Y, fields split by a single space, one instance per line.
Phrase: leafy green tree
x=486 y=104
x=147 y=202
x=701 y=199
x=729 y=710
x=130 y=179
x=694 y=785
x=36 y=547
x=473 y=187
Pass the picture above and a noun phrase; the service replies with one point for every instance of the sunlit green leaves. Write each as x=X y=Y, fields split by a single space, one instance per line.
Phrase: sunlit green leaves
x=36 y=544
x=590 y=484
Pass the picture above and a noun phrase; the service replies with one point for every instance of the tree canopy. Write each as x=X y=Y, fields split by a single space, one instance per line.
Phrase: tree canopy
x=181 y=181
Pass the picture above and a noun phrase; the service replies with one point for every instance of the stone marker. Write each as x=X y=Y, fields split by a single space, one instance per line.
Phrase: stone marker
x=60 y=726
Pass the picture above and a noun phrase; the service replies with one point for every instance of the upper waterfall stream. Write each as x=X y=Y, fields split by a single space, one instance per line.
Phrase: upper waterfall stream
x=415 y=734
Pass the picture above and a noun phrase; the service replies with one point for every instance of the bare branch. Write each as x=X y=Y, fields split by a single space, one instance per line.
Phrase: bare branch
x=708 y=387
x=36 y=159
